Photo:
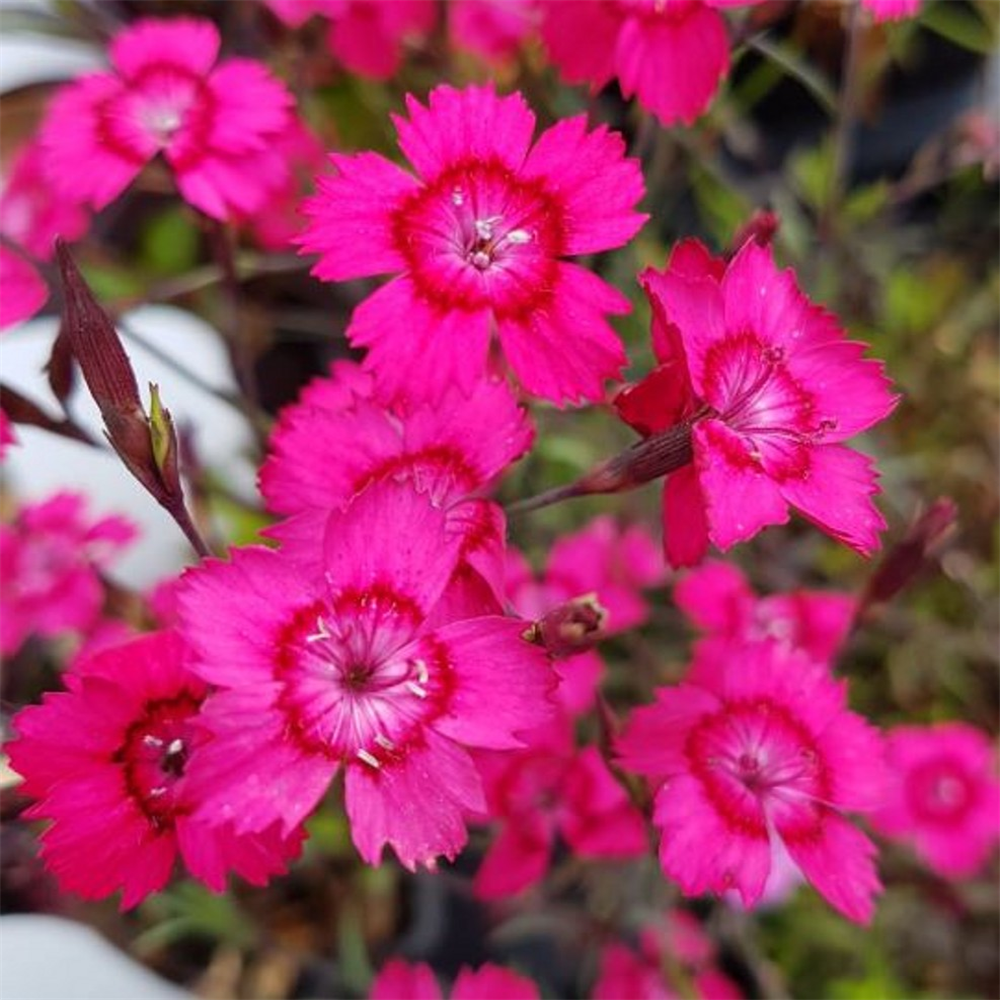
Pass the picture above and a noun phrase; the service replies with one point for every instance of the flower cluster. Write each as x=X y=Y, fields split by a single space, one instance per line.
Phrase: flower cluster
x=389 y=650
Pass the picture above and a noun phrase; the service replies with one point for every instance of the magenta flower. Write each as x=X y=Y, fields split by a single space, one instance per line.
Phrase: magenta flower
x=493 y=29
x=613 y=562
x=477 y=240
x=214 y=124
x=943 y=795
x=641 y=975
x=761 y=751
x=671 y=56
x=109 y=762
x=552 y=789
x=339 y=666
x=29 y=215
x=49 y=561
x=399 y=980
x=718 y=599
x=22 y=291
x=335 y=441
x=366 y=36
x=772 y=388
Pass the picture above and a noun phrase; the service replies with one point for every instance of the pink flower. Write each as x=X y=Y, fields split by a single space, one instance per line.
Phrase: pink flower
x=614 y=563
x=627 y=975
x=493 y=29
x=399 y=980
x=335 y=441
x=672 y=56
x=276 y=223
x=943 y=796
x=49 y=561
x=367 y=36
x=772 y=388
x=214 y=124
x=761 y=751
x=551 y=789
x=717 y=598
x=109 y=762
x=326 y=448
x=337 y=665
x=891 y=10
x=477 y=239
x=22 y=291
x=29 y=215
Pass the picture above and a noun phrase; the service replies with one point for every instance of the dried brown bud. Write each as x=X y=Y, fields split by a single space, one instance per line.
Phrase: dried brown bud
x=910 y=557
x=571 y=628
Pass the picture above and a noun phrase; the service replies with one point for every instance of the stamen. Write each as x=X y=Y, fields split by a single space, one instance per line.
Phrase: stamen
x=423 y=674
x=384 y=742
x=519 y=236
x=414 y=688
x=457 y=198
x=176 y=746
x=155 y=793
x=151 y=741
x=321 y=632
x=484 y=227
x=365 y=757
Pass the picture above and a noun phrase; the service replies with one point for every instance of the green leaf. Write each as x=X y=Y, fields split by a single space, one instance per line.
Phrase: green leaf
x=170 y=243
x=790 y=61
x=961 y=25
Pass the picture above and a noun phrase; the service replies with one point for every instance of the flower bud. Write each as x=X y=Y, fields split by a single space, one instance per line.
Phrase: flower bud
x=570 y=628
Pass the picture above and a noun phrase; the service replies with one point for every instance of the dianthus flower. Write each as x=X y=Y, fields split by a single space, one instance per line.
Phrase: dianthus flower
x=49 y=561
x=109 y=762
x=943 y=795
x=625 y=974
x=367 y=36
x=22 y=291
x=552 y=789
x=336 y=440
x=29 y=215
x=214 y=124
x=340 y=667
x=399 y=980
x=478 y=239
x=672 y=56
x=493 y=29
x=771 y=388
x=612 y=562
x=718 y=598
x=761 y=750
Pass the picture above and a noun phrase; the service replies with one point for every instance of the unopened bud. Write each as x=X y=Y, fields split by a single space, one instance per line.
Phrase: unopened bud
x=642 y=462
x=761 y=227
x=909 y=557
x=571 y=628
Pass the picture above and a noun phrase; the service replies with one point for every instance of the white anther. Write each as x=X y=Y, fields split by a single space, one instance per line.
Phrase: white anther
x=457 y=198
x=155 y=793
x=176 y=746
x=481 y=260
x=384 y=742
x=414 y=688
x=152 y=741
x=321 y=632
x=369 y=759
x=423 y=675
x=484 y=227
x=519 y=236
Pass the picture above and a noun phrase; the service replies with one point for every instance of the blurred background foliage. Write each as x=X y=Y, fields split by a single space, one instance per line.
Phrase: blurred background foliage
x=885 y=182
